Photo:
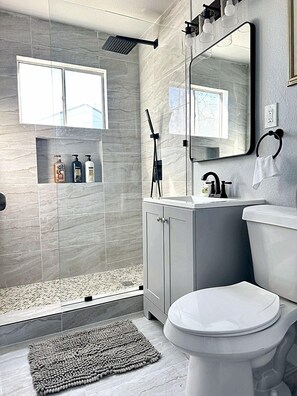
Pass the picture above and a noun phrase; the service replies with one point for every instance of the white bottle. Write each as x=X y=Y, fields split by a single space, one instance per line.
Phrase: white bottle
x=89 y=170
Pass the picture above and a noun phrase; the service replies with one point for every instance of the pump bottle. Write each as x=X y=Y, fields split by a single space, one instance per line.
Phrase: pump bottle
x=89 y=170
x=76 y=170
x=59 y=170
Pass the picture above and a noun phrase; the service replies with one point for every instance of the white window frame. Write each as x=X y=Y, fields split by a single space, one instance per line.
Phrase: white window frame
x=64 y=67
x=223 y=127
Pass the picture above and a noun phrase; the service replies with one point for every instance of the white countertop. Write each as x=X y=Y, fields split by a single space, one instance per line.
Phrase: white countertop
x=195 y=201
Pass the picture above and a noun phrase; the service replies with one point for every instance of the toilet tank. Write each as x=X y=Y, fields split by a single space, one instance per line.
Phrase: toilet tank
x=273 y=239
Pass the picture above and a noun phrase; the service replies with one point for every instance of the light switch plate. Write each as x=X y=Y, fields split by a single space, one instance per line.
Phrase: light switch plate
x=271 y=115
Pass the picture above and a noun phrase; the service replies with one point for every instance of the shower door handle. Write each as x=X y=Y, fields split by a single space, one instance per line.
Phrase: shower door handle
x=2 y=202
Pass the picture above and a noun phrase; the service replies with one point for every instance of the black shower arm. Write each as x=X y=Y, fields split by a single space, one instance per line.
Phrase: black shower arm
x=140 y=41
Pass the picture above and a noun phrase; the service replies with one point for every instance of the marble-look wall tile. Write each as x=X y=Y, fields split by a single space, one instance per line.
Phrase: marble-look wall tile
x=18 y=136
x=82 y=58
x=73 y=38
x=113 y=219
x=129 y=231
x=164 y=96
x=29 y=329
x=40 y=32
x=98 y=313
x=122 y=172
x=123 y=249
x=85 y=198
x=50 y=264
x=21 y=202
x=19 y=235
x=81 y=230
x=20 y=268
x=119 y=143
x=15 y=27
x=122 y=197
x=8 y=93
x=18 y=167
x=82 y=260
x=8 y=52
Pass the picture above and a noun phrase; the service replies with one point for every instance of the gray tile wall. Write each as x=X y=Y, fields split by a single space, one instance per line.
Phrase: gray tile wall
x=162 y=91
x=49 y=230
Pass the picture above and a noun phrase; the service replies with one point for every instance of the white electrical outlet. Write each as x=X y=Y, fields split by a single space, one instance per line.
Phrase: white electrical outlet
x=271 y=115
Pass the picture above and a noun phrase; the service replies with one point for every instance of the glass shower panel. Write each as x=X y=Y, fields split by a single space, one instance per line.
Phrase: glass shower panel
x=99 y=223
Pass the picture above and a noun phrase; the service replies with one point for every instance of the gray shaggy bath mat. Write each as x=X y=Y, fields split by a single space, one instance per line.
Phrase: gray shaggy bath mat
x=83 y=357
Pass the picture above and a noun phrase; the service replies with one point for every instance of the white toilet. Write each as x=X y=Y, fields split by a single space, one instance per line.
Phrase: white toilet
x=238 y=336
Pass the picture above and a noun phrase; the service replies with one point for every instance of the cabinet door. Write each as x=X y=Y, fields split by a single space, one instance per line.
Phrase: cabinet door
x=153 y=260
x=179 y=253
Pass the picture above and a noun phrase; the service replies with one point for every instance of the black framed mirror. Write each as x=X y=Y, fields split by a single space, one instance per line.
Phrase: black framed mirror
x=222 y=97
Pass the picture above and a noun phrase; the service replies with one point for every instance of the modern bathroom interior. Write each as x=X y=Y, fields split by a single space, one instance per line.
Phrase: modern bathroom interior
x=77 y=253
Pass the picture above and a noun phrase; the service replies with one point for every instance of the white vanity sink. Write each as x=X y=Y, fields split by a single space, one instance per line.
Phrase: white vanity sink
x=195 y=201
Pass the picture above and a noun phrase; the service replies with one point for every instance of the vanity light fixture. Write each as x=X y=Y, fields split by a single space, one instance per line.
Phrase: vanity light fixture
x=229 y=13
x=190 y=32
x=206 y=19
x=202 y=24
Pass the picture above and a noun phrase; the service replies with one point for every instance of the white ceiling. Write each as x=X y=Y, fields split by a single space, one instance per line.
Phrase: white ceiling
x=124 y=17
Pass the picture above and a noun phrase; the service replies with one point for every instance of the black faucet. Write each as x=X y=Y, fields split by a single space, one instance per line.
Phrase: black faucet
x=217 y=192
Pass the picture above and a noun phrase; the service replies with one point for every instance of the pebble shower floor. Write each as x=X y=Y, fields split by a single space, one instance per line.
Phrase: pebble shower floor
x=69 y=289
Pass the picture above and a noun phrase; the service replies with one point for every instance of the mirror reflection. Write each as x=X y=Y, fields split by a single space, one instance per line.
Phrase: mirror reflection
x=222 y=97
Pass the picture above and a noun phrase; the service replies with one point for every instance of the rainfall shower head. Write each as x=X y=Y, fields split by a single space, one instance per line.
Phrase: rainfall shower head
x=123 y=45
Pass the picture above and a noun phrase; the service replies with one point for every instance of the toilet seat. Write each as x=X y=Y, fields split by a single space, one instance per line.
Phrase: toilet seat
x=233 y=310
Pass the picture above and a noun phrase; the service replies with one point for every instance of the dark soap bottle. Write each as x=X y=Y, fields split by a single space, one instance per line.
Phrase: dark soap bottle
x=76 y=170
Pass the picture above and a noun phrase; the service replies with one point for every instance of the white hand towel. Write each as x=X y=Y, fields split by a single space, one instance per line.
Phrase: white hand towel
x=265 y=167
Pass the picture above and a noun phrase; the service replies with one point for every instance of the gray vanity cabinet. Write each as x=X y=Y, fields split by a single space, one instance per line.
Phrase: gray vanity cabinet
x=168 y=257
x=191 y=249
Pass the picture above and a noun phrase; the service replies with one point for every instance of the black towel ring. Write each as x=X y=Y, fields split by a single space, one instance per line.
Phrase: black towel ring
x=278 y=134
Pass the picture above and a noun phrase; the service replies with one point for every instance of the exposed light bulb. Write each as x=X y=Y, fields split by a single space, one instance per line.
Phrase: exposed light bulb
x=188 y=40
x=207 y=26
x=230 y=8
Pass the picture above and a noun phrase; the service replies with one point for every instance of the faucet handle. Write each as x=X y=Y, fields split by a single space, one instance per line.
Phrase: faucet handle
x=223 y=190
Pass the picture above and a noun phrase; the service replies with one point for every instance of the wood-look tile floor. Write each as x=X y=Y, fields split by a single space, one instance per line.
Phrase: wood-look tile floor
x=164 y=378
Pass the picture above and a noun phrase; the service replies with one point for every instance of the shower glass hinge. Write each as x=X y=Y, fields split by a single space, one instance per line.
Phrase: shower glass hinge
x=88 y=298
x=185 y=143
x=140 y=287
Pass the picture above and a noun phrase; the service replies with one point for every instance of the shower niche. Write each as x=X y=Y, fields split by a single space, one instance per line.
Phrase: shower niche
x=47 y=148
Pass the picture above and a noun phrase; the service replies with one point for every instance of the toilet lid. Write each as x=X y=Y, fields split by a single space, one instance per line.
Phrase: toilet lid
x=237 y=309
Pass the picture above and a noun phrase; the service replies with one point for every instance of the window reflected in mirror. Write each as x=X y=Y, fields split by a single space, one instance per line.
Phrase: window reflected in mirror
x=222 y=98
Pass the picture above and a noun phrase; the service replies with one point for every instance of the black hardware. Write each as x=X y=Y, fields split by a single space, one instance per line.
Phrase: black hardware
x=278 y=134
x=140 y=287
x=185 y=143
x=217 y=180
x=2 y=202
x=158 y=170
x=157 y=165
x=214 y=6
x=124 y=45
x=88 y=298
x=223 y=190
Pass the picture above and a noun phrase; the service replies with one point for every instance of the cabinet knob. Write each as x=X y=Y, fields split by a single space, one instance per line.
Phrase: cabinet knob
x=164 y=220
x=159 y=218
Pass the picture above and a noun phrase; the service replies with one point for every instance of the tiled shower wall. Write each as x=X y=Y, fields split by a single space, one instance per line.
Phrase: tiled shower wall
x=162 y=90
x=49 y=230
